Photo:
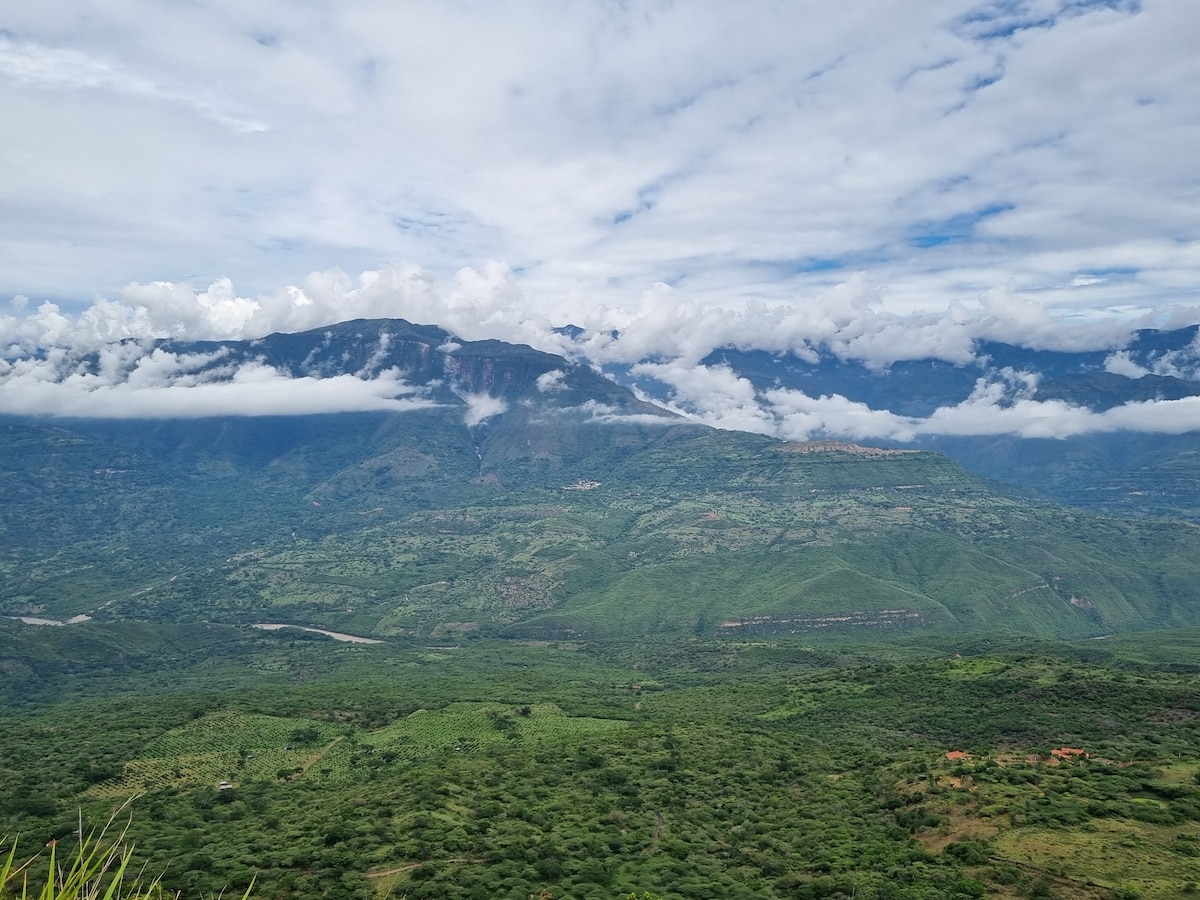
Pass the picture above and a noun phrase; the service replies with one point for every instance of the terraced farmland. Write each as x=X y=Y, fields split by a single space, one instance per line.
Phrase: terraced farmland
x=230 y=747
x=243 y=747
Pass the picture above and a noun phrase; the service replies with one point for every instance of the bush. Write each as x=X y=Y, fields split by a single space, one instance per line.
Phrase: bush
x=969 y=853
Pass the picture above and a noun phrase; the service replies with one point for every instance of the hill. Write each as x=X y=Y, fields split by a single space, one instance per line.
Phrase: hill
x=936 y=768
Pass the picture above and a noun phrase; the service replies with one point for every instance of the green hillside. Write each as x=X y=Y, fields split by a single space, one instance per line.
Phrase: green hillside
x=673 y=530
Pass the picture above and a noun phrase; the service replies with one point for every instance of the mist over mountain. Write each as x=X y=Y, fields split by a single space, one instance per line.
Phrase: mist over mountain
x=976 y=362
x=1112 y=428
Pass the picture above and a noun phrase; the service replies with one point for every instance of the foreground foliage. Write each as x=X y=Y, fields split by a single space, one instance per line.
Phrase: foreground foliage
x=97 y=867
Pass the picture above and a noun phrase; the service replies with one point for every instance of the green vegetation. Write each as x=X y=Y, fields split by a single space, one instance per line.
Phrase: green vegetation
x=697 y=534
x=243 y=747
x=682 y=767
x=614 y=658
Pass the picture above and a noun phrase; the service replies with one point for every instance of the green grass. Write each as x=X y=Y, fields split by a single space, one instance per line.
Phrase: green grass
x=240 y=748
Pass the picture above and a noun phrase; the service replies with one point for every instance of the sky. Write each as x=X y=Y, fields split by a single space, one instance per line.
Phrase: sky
x=883 y=179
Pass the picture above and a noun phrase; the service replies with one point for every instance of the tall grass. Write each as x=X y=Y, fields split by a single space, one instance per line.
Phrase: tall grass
x=97 y=869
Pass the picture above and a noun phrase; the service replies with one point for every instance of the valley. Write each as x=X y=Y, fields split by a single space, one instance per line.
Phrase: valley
x=582 y=647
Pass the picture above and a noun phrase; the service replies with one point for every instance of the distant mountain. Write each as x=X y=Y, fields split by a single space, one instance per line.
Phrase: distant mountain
x=918 y=387
x=1129 y=471
x=489 y=407
x=525 y=495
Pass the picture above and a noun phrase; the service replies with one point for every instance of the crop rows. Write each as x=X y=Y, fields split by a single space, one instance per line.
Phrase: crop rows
x=228 y=747
x=240 y=747
x=236 y=731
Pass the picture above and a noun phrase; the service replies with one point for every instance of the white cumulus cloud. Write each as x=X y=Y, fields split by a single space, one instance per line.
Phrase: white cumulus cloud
x=739 y=154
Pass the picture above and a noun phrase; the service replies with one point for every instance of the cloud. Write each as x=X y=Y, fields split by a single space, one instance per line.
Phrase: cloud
x=1057 y=419
x=712 y=394
x=1002 y=403
x=551 y=381
x=127 y=382
x=848 y=321
x=667 y=324
x=473 y=304
x=1183 y=363
x=799 y=417
x=943 y=148
x=481 y=407
x=103 y=362
x=883 y=183
x=377 y=358
x=612 y=415
x=41 y=66
x=1120 y=363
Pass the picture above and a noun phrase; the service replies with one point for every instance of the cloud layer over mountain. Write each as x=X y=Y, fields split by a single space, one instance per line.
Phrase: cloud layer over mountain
x=664 y=338
x=131 y=381
x=849 y=320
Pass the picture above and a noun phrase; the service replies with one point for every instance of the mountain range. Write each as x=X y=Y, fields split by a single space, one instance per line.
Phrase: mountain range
x=500 y=490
